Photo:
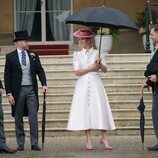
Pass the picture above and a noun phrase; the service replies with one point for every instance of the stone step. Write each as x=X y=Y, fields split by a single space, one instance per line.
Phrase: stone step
x=118 y=62
x=110 y=65
x=109 y=88
x=62 y=123
x=109 y=57
x=70 y=73
x=111 y=72
x=111 y=96
x=106 y=80
x=115 y=105
x=60 y=132
x=63 y=114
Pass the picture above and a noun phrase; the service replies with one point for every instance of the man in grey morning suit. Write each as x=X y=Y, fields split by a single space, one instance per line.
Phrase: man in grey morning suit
x=21 y=68
x=3 y=146
x=154 y=80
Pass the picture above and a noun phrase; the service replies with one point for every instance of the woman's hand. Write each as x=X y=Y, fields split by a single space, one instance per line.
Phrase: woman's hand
x=95 y=66
x=101 y=66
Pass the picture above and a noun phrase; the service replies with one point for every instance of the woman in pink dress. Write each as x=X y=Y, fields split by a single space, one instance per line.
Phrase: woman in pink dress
x=90 y=109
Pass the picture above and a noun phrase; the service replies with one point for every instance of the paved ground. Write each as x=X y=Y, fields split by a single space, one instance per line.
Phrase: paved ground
x=74 y=147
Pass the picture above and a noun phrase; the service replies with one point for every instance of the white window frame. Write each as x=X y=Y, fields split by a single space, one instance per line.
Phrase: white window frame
x=43 y=22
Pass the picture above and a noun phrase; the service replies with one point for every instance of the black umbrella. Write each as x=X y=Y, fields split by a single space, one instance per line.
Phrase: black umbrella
x=43 y=119
x=101 y=17
x=141 y=109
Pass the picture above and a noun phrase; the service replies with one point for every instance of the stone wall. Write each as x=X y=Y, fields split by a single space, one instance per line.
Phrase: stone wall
x=6 y=16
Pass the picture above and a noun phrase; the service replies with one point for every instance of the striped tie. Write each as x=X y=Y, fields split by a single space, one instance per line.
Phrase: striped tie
x=23 y=58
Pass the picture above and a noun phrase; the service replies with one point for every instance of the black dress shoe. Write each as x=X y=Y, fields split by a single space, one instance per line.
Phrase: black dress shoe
x=35 y=147
x=7 y=150
x=20 y=148
x=154 y=148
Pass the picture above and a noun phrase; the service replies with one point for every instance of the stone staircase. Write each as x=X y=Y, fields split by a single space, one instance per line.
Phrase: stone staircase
x=122 y=83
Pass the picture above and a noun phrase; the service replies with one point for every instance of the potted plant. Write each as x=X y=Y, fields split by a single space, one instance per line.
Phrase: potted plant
x=108 y=35
x=141 y=24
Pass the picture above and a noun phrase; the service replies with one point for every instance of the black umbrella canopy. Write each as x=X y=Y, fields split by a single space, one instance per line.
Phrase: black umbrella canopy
x=141 y=106
x=141 y=109
x=102 y=17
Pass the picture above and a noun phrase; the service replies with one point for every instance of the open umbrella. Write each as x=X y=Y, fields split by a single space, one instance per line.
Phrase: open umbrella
x=141 y=109
x=101 y=17
x=43 y=119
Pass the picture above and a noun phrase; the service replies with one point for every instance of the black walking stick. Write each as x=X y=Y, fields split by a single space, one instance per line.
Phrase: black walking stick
x=43 y=119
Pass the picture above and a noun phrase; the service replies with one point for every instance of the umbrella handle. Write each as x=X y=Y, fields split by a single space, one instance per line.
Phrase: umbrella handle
x=142 y=92
x=98 y=60
x=143 y=87
x=100 y=43
x=44 y=95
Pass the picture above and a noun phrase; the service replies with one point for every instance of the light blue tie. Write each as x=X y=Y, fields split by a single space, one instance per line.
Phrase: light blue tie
x=23 y=58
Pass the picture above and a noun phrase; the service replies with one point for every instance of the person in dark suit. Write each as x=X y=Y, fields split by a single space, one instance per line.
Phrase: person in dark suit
x=3 y=146
x=21 y=68
x=153 y=82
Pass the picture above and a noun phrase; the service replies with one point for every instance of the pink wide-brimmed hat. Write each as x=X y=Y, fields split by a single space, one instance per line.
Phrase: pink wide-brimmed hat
x=84 y=33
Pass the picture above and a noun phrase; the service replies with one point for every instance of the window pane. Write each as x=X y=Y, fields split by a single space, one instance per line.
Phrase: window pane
x=28 y=17
x=28 y=5
x=56 y=13
x=36 y=34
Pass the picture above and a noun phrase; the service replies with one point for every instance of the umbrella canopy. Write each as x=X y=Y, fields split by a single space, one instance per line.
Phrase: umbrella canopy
x=101 y=17
x=141 y=109
x=43 y=119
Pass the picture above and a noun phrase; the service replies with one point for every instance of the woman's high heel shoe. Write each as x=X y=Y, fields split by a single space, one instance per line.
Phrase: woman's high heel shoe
x=89 y=146
x=104 y=143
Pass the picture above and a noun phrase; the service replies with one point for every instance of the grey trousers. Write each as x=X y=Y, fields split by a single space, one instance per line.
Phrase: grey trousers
x=27 y=96
x=155 y=112
x=2 y=136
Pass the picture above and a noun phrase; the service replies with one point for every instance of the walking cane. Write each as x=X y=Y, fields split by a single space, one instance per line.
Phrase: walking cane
x=43 y=119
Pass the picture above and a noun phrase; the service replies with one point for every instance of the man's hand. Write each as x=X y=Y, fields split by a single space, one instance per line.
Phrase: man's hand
x=1 y=92
x=11 y=100
x=44 y=88
x=153 y=78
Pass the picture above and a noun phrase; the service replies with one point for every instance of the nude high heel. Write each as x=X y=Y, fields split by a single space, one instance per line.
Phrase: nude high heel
x=105 y=145
x=89 y=146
